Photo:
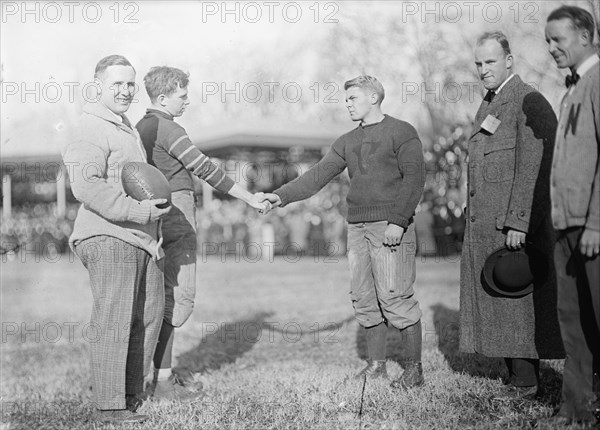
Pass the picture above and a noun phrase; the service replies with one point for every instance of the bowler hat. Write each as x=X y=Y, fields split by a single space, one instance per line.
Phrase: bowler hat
x=510 y=273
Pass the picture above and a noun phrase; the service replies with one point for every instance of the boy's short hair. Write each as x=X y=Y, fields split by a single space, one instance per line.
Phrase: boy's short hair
x=164 y=80
x=111 y=60
x=499 y=37
x=581 y=18
x=369 y=82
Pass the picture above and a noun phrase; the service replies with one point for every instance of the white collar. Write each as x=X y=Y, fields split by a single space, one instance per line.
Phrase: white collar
x=497 y=90
x=587 y=64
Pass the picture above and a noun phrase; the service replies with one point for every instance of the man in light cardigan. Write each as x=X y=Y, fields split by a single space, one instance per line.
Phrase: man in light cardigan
x=117 y=240
x=575 y=195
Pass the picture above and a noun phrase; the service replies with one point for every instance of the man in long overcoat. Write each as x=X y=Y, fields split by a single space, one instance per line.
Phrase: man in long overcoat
x=510 y=155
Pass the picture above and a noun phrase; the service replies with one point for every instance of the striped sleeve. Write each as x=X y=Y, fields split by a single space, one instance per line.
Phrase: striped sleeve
x=181 y=147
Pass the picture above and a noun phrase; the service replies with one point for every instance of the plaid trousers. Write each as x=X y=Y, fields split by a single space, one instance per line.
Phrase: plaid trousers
x=127 y=287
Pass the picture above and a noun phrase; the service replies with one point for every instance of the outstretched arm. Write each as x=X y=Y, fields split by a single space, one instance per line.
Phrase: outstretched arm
x=203 y=167
x=311 y=182
x=252 y=199
x=195 y=161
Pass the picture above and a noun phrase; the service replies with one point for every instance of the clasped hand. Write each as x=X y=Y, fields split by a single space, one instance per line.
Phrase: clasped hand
x=264 y=202
x=269 y=200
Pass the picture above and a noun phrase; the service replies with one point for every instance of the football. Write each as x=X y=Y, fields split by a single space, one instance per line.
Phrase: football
x=142 y=181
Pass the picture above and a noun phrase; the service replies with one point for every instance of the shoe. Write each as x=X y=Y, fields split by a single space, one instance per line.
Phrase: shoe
x=133 y=401
x=120 y=416
x=374 y=369
x=173 y=389
x=411 y=377
x=513 y=392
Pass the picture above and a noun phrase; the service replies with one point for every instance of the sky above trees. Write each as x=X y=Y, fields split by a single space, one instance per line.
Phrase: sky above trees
x=262 y=65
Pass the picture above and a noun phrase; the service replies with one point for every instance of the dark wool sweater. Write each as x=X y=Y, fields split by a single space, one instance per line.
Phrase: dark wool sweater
x=386 y=169
x=169 y=149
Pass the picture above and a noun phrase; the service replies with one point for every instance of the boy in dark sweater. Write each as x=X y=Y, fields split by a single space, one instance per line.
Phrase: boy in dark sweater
x=384 y=157
x=170 y=149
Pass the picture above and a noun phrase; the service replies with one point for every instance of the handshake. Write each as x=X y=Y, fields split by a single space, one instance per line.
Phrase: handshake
x=264 y=202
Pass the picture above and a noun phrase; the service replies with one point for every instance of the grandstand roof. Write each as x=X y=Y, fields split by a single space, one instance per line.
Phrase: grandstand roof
x=264 y=140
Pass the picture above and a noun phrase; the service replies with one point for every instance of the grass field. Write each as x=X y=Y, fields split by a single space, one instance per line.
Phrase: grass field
x=274 y=345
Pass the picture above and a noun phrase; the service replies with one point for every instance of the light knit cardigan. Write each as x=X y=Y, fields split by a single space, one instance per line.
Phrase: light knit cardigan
x=94 y=159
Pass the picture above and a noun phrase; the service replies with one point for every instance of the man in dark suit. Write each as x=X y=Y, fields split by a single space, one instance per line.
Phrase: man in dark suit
x=510 y=152
x=575 y=192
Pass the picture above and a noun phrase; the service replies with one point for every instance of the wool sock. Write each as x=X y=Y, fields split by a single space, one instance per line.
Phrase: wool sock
x=376 y=337
x=164 y=350
x=411 y=339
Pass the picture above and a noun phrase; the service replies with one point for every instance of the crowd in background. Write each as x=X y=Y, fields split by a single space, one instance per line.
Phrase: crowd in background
x=315 y=226
x=312 y=227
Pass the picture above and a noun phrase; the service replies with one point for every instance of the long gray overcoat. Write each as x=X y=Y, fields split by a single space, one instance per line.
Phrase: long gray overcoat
x=508 y=188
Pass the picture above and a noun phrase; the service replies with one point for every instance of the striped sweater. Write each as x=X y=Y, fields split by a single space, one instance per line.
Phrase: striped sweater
x=170 y=149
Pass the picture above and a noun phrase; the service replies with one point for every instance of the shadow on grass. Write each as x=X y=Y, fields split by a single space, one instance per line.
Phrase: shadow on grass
x=446 y=322
x=226 y=344
x=325 y=328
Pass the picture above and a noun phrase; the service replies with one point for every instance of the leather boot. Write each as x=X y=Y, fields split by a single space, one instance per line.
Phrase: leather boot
x=411 y=377
x=374 y=369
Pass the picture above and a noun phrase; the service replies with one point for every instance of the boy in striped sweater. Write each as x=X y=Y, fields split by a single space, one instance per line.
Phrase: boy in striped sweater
x=170 y=149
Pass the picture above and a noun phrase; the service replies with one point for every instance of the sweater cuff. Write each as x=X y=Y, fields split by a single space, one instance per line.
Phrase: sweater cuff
x=399 y=220
x=283 y=196
x=139 y=212
x=592 y=224
x=225 y=185
x=518 y=225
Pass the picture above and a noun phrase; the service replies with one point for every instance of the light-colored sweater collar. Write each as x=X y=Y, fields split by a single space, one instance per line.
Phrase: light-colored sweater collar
x=121 y=121
x=101 y=111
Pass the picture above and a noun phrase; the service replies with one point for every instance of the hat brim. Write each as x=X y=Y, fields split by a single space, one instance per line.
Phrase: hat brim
x=487 y=277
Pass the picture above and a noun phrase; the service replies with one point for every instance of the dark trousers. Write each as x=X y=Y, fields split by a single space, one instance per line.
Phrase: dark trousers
x=579 y=316
x=523 y=372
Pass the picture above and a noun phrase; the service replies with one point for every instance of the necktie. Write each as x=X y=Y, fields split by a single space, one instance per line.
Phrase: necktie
x=571 y=79
x=490 y=96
